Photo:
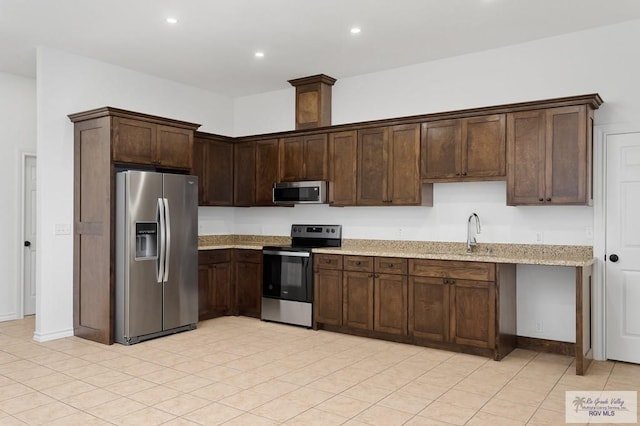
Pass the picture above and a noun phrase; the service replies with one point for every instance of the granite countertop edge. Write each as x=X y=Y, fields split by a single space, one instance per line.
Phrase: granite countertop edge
x=573 y=256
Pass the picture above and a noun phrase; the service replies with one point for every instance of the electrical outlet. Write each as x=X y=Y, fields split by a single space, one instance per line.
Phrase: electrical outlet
x=539 y=326
x=539 y=237
x=588 y=233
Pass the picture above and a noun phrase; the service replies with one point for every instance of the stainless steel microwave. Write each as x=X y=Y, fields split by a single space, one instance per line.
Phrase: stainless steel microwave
x=303 y=192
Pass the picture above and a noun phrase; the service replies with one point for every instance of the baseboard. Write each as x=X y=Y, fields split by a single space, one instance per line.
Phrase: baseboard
x=45 y=337
x=9 y=317
x=548 y=346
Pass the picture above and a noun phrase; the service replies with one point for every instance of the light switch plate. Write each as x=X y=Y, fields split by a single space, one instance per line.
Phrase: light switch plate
x=62 y=229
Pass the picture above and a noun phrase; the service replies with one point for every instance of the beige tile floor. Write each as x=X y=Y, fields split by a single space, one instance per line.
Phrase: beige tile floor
x=241 y=371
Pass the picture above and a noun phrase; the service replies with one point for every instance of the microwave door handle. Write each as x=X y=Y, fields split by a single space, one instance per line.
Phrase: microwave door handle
x=160 y=261
x=167 y=256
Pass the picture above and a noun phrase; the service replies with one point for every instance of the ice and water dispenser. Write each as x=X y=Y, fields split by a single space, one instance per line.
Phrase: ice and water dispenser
x=146 y=240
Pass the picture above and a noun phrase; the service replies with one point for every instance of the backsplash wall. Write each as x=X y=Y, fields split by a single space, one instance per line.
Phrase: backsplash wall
x=445 y=221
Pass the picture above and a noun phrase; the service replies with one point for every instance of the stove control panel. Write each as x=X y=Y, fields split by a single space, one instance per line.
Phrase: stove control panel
x=316 y=231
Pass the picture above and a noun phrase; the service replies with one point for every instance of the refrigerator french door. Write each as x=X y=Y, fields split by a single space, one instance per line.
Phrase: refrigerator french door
x=156 y=255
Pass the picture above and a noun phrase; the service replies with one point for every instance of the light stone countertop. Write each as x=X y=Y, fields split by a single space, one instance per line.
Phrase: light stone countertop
x=530 y=254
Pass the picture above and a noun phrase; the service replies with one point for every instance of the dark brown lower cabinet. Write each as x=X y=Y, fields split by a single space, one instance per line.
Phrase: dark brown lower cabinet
x=473 y=313
x=357 y=311
x=390 y=296
x=327 y=300
x=214 y=283
x=462 y=306
x=229 y=283
x=456 y=311
x=429 y=308
x=248 y=282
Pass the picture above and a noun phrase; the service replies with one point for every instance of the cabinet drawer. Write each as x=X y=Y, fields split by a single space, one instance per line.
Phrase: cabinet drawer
x=479 y=271
x=213 y=256
x=358 y=263
x=247 y=255
x=327 y=261
x=391 y=265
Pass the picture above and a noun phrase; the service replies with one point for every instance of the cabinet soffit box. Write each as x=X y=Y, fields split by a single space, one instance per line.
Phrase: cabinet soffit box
x=313 y=101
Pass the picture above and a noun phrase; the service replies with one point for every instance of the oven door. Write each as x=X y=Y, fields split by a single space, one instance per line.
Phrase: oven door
x=287 y=275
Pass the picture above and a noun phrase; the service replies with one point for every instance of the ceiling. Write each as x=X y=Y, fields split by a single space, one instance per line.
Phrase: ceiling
x=213 y=44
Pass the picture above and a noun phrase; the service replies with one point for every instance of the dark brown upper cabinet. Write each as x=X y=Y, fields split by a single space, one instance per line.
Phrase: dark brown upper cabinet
x=304 y=158
x=147 y=143
x=343 y=159
x=466 y=149
x=255 y=172
x=213 y=164
x=549 y=156
x=388 y=166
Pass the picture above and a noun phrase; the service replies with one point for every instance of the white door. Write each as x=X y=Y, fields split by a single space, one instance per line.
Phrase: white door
x=30 y=245
x=622 y=266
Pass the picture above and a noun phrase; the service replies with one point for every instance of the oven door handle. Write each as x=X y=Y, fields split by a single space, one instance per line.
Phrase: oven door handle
x=287 y=253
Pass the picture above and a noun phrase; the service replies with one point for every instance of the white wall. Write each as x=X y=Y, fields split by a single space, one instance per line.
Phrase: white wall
x=602 y=60
x=17 y=121
x=68 y=84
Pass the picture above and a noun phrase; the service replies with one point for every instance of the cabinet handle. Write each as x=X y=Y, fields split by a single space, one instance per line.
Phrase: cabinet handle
x=390 y=265
x=464 y=174
x=358 y=263
x=541 y=199
x=457 y=174
x=549 y=199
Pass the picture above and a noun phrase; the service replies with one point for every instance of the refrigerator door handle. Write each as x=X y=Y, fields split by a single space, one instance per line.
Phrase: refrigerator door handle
x=161 y=249
x=167 y=239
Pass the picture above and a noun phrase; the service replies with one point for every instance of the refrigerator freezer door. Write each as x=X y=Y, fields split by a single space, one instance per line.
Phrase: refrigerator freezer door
x=181 y=281
x=138 y=293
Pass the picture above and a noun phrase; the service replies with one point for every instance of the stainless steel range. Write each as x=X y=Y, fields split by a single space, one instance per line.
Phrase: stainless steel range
x=287 y=285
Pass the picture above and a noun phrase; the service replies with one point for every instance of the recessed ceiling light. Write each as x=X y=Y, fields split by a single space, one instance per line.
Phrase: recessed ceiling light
x=259 y=54
x=172 y=20
x=355 y=30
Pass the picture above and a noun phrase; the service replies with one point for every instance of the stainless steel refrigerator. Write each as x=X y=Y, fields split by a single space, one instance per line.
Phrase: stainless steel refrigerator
x=156 y=255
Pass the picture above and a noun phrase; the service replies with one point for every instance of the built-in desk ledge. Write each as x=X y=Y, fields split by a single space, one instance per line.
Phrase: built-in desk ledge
x=531 y=254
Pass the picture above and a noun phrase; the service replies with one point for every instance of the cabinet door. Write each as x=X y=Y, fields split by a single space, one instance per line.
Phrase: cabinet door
x=134 y=141
x=429 y=308
x=483 y=147
x=174 y=147
x=292 y=159
x=404 y=165
x=205 y=296
x=327 y=300
x=248 y=284
x=357 y=300
x=244 y=166
x=525 y=157
x=441 y=149
x=373 y=164
x=266 y=171
x=316 y=154
x=218 y=187
x=343 y=158
x=473 y=313
x=221 y=288
x=566 y=155
x=390 y=314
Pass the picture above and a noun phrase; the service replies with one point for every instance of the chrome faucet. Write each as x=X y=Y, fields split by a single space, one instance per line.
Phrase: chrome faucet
x=471 y=242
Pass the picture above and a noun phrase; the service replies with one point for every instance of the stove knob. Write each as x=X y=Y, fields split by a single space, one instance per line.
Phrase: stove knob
x=333 y=231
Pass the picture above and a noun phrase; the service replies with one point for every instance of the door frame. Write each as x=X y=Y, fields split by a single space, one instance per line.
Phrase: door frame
x=599 y=314
x=20 y=297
